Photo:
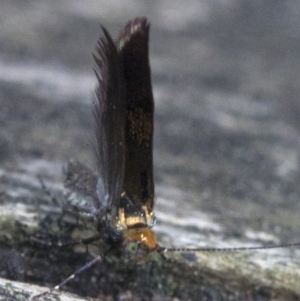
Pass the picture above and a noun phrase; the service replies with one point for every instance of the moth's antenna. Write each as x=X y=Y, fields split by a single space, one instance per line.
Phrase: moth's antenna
x=85 y=267
x=59 y=286
x=187 y=250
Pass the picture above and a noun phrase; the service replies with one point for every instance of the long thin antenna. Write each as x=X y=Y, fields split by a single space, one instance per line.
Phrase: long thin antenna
x=86 y=266
x=289 y=245
x=59 y=286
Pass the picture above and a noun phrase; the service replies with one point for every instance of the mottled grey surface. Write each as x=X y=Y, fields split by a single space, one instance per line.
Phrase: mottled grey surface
x=226 y=84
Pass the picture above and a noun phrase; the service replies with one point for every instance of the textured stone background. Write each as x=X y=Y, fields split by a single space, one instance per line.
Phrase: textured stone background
x=226 y=84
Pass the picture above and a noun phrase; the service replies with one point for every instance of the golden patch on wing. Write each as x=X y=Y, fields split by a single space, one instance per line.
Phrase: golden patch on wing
x=140 y=125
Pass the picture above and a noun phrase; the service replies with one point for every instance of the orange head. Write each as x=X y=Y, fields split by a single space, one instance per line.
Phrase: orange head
x=143 y=235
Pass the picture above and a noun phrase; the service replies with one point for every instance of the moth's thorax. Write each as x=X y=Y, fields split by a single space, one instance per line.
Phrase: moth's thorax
x=144 y=236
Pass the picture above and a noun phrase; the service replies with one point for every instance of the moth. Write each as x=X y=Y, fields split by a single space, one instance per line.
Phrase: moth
x=118 y=197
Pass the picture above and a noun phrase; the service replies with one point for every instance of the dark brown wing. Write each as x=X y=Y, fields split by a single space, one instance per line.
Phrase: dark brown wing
x=109 y=114
x=138 y=178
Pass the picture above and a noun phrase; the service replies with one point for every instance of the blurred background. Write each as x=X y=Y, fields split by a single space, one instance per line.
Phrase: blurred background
x=226 y=85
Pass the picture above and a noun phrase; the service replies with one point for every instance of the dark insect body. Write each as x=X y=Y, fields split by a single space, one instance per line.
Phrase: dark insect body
x=119 y=197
